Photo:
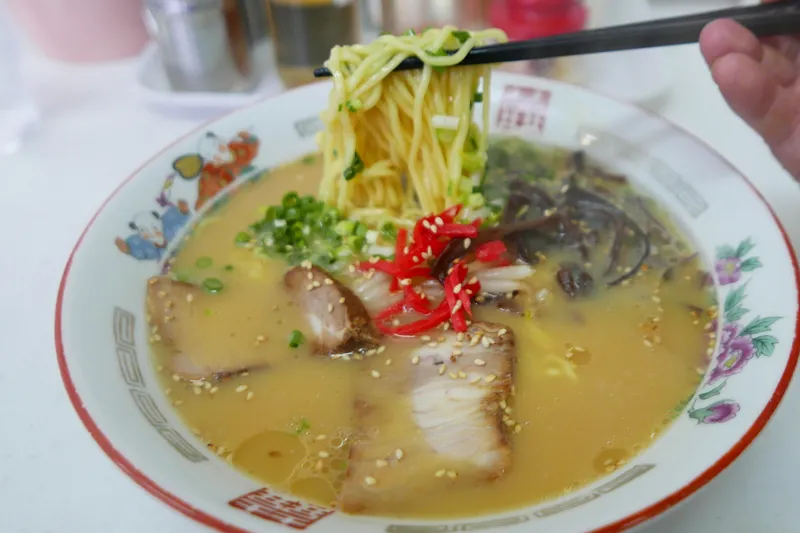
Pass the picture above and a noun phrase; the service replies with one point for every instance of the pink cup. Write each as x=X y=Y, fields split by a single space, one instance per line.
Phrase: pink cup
x=83 y=30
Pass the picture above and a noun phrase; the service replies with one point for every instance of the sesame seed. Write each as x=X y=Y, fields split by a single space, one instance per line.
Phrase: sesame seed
x=250 y=395
x=518 y=429
x=475 y=339
x=388 y=362
x=425 y=338
x=473 y=280
x=475 y=380
x=480 y=362
x=440 y=473
x=451 y=474
x=415 y=360
x=316 y=284
x=462 y=374
x=442 y=369
x=330 y=308
x=398 y=453
x=434 y=229
x=381 y=463
x=351 y=268
x=381 y=349
x=310 y=276
x=457 y=352
x=310 y=287
x=405 y=282
x=648 y=343
x=490 y=378
x=321 y=436
x=369 y=480
x=453 y=375
x=457 y=289
x=177 y=403
x=162 y=294
x=167 y=391
x=241 y=388
x=375 y=374
x=503 y=404
x=656 y=299
x=328 y=281
x=341 y=300
x=502 y=332
x=197 y=391
x=176 y=377
x=306 y=264
x=467 y=242
x=426 y=224
x=324 y=454
x=439 y=221
x=213 y=390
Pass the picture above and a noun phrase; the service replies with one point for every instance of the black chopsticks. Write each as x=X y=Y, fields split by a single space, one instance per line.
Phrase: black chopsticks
x=764 y=20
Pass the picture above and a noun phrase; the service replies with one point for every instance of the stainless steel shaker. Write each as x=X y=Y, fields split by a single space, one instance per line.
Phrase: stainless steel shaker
x=206 y=45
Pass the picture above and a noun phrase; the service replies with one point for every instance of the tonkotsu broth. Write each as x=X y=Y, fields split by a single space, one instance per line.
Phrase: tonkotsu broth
x=590 y=392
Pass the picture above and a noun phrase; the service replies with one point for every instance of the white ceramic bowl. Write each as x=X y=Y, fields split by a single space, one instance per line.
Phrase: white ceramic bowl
x=102 y=342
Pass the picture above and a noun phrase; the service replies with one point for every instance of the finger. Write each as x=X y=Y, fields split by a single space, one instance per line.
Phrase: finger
x=723 y=37
x=756 y=96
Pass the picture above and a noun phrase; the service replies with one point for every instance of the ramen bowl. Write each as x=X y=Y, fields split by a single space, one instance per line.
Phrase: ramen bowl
x=102 y=333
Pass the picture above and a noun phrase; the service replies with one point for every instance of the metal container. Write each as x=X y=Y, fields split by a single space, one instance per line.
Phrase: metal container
x=398 y=16
x=205 y=45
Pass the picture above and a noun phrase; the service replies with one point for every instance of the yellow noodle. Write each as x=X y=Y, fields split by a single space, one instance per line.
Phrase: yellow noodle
x=387 y=121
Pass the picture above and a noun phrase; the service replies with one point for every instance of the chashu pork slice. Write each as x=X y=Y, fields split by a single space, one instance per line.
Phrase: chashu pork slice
x=438 y=423
x=338 y=319
x=177 y=319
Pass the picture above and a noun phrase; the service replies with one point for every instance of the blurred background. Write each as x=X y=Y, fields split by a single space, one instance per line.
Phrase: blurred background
x=202 y=57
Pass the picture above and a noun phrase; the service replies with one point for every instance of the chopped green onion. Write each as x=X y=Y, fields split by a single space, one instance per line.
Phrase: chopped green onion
x=389 y=231
x=355 y=168
x=472 y=162
x=309 y=159
x=354 y=105
x=462 y=36
x=341 y=106
x=478 y=98
x=243 y=237
x=302 y=427
x=410 y=32
x=180 y=276
x=204 y=262
x=229 y=268
x=296 y=338
x=345 y=227
x=291 y=199
x=212 y=285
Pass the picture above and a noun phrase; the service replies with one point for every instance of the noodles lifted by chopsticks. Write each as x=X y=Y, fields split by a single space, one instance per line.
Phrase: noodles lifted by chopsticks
x=399 y=144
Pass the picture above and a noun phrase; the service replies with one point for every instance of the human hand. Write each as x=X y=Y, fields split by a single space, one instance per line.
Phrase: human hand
x=760 y=80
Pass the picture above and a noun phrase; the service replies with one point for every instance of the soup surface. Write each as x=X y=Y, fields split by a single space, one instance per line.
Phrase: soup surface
x=595 y=380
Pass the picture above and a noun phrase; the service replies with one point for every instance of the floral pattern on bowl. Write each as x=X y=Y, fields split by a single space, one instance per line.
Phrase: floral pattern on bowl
x=738 y=344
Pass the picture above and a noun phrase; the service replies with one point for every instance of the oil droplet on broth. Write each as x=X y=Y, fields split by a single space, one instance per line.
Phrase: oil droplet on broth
x=270 y=456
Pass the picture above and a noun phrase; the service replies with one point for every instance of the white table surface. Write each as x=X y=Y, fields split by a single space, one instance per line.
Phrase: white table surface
x=54 y=478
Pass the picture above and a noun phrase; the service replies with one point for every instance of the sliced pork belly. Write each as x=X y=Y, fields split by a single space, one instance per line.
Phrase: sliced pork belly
x=338 y=319
x=444 y=416
x=175 y=311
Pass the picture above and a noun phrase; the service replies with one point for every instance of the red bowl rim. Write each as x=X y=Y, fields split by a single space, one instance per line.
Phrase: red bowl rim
x=622 y=524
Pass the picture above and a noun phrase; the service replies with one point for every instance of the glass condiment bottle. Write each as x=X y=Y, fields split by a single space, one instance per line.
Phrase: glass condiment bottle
x=304 y=31
x=531 y=19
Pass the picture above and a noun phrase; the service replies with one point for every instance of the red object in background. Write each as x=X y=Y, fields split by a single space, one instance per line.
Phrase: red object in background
x=529 y=19
x=83 y=31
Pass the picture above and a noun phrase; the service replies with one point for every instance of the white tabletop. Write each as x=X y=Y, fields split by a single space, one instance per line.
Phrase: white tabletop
x=53 y=478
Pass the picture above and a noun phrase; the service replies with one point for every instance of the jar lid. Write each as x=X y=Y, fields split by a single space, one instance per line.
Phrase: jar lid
x=182 y=6
x=530 y=19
